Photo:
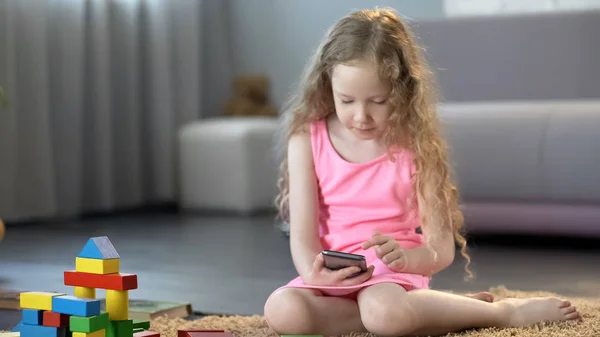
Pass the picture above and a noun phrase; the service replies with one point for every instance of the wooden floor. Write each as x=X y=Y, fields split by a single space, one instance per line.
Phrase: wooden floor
x=231 y=264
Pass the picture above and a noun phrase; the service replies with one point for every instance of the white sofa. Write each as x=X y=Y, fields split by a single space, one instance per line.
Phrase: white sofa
x=522 y=167
x=527 y=167
x=227 y=164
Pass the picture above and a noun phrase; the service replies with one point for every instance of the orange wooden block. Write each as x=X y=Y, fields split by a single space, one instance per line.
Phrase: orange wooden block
x=54 y=319
x=1 y=229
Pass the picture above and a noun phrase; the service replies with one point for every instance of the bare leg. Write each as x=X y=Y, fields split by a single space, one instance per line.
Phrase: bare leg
x=304 y=312
x=388 y=310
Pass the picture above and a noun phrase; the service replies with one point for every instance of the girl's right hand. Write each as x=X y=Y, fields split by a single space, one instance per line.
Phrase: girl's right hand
x=322 y=276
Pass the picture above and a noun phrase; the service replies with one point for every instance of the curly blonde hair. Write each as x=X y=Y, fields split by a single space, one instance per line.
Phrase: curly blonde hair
x=379 y=35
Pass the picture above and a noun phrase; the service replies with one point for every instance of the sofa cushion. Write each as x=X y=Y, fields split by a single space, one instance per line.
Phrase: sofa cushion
x=525 y=151
x=571 y=153
x=496 y=148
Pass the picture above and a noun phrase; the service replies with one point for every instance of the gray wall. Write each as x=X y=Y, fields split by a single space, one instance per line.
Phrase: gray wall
x=515 y=57
x=549 y=56
x=276 y=37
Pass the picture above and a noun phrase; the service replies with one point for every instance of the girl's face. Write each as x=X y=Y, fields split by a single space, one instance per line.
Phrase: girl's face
x=361 y=99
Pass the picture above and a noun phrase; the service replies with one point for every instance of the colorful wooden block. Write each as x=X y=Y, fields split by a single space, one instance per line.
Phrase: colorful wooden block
x=76 y=306
x=28 y=330
x=99 y=333
x=55 y=319
x=84 y=292
x=99 y=248
x=89 y=324
x=120 y=328
x=117 y=304
x=97 y=266
x=38 y=300
x=141 y=325
x=10 y=334
x=118 y=281
x=191 y=333
x=32 y=316
x=146 y=334
x=17 y=327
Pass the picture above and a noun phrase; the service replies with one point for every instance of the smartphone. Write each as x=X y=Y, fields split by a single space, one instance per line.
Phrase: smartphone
x=339 y=260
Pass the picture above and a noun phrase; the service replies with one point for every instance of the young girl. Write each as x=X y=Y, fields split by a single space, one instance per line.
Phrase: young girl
x=366 y=166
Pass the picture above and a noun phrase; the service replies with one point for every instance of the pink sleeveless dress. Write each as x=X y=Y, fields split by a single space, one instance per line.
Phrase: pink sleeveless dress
x=356 y=199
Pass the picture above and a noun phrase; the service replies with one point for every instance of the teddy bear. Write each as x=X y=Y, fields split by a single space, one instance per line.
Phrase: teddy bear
x=250 y=98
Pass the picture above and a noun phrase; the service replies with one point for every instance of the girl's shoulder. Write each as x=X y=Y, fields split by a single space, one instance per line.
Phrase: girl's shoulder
x=299 y=150
x=307 y=137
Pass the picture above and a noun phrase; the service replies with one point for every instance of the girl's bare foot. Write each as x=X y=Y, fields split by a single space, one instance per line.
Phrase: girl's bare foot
x=482 y=296
x=527 y=311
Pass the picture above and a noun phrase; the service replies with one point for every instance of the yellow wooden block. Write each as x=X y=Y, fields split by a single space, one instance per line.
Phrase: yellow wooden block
x=10 y=334
x=99 y=333
x=84 y=292
x=38 y=300
x=97 y=266
x=117 y=304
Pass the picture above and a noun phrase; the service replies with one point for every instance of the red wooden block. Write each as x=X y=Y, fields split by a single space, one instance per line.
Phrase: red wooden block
x=119 y=281
x=203 y=333
x=56 y=320
x=146 y=334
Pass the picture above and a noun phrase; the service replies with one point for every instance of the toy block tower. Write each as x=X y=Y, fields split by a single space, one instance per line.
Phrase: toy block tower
x=99 y=257
x=98 y=267
x=60 y=315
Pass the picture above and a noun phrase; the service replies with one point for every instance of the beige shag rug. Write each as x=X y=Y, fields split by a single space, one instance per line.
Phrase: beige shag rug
x=255 y=326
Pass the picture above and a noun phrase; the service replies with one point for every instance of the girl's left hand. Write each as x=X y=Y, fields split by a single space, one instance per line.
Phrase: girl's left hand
x=388 y=251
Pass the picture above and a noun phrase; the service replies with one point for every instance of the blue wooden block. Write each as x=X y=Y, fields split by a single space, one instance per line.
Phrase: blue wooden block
x=76 y=306
x=32 y=316
x=28 y=330
x=17 y=328
x=99 y=248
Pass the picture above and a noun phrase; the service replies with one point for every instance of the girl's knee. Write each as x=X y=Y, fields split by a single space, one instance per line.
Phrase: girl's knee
x=386 y=317
x=288 y=311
